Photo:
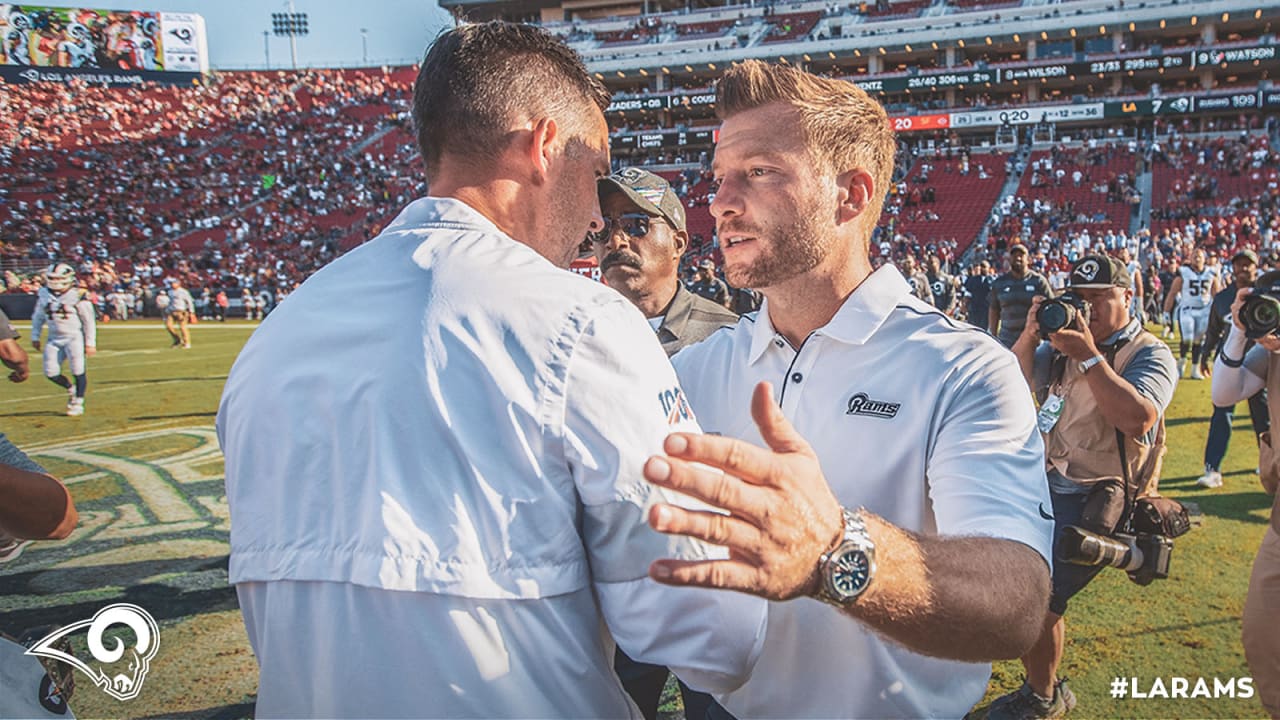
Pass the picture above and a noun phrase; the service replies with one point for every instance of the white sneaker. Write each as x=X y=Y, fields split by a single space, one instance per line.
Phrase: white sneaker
x=1184 y=368
x=11 y=548
x=1210 y=479
x=76 y=408
x=1195 y=373
x=71 y=396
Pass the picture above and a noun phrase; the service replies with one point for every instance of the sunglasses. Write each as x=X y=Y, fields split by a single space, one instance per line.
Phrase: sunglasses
x=635 y=225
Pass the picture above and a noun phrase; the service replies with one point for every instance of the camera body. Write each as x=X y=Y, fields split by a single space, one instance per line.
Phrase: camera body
x=1060 y=312
x=1145 y=556
x=1260 y=315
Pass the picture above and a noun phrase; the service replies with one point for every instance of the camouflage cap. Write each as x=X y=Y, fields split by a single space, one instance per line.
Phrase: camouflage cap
x=648 y=191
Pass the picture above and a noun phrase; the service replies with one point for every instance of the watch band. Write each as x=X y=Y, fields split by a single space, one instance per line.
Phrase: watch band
x=1088 y=364
x=855 y=533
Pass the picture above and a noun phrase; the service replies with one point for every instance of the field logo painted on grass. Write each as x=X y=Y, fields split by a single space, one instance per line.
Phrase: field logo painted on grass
x=119 y=685
x=161 y=501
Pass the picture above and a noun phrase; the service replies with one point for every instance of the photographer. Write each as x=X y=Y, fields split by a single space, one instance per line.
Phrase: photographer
x=1239 y=373
x=1102 y=414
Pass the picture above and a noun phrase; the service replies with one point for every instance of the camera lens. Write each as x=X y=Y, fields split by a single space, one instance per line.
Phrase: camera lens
x=1054 y=315
x=1260 y=316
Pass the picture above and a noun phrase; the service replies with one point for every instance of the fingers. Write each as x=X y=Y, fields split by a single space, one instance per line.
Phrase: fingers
x=710 y=486
x=741 y=459
x=723 y=574
x=742 y=538
x=775 y=429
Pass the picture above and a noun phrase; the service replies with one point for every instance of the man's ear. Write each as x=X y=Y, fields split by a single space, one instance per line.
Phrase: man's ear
x=856 y=189
x=679 y=242
x=542 y=137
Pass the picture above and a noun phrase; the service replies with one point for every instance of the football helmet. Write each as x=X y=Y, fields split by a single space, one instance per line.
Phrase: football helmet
x=60 y=277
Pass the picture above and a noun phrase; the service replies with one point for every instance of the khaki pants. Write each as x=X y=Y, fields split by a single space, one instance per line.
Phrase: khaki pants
x=1262 y=623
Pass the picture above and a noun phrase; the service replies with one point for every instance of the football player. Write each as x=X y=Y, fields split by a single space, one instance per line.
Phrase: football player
x=72 y=332
x=1193 y=289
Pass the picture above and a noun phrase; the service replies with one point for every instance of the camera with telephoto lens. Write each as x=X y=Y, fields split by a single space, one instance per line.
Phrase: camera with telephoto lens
x=1060 y=312
x=1260 y=315
x=1145 y=556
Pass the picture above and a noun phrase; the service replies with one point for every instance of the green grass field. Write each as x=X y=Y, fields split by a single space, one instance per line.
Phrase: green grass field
x=144 y=468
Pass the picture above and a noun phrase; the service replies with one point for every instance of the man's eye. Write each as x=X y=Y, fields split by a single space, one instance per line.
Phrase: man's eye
x=757 y=172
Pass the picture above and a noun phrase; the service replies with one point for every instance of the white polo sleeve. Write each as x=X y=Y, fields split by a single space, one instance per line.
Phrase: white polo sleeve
x=621 y=401
x=986 y=461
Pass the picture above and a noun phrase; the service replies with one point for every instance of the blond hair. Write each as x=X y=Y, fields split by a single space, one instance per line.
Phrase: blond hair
x=844 y=127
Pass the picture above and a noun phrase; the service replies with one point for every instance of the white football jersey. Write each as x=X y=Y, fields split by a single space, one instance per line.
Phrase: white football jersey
x=70 y=316
x=1197 y=287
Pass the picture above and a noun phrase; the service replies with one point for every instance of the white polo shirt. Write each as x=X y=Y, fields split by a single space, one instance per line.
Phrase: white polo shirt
x=922 y=420
x=433 y=466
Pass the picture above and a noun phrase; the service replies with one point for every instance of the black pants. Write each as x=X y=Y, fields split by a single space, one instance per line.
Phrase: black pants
x=645 y=682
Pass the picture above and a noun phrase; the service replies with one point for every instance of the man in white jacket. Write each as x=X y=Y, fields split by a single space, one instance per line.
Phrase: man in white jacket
x=453 y=523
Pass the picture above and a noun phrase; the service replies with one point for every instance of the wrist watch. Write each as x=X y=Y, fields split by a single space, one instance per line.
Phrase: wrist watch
x=845 y=572
x=1087 y=364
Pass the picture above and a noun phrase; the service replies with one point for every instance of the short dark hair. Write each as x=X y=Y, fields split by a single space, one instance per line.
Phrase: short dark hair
x=476 y=80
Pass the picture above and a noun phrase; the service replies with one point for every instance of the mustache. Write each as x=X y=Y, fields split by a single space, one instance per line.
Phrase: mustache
x=738 y=227
x=620 y=257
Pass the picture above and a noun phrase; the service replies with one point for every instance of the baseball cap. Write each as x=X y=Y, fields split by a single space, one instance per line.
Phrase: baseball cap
x=707 y=265
x=648 y=191
x=1099 y=271
x=1245 y=254
x=1017 y=247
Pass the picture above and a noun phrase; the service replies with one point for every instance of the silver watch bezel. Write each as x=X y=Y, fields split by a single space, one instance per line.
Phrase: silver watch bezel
x=855 y=539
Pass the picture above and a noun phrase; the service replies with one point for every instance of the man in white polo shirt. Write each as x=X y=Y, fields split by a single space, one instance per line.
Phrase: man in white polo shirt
x=454 y=523
x=932 y=537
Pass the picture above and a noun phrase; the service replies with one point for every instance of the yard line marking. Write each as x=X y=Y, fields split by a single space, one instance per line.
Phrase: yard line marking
x=113 y=388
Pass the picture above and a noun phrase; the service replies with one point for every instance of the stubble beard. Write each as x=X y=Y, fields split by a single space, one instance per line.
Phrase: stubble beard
x=784 y=252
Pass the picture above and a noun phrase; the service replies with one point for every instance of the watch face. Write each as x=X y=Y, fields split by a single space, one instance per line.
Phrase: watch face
x=850 y=573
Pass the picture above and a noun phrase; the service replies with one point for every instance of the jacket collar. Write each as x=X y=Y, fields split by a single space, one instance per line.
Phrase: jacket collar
x=677 y=313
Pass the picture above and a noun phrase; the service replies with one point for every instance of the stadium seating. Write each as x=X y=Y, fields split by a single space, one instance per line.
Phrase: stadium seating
x=962 y=200
x=789 y=27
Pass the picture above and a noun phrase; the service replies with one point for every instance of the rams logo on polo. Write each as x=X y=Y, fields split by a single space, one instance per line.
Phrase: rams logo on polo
x=1088 y=270
x=860 y=404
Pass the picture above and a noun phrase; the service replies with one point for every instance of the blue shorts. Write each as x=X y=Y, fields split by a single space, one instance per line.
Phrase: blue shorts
x=1068 y=578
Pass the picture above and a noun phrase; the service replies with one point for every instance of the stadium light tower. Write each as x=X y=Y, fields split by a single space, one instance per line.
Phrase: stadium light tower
x=364 y=44
x=266 y=47
x=291 y=25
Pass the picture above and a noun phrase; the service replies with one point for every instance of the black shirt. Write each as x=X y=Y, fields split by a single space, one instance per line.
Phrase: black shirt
x=1013 y=296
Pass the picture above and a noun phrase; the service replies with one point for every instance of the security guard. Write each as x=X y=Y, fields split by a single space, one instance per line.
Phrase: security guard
x=1102 y=414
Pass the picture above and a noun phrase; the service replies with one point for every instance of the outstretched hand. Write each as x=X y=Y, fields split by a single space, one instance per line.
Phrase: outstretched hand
x=782 y=513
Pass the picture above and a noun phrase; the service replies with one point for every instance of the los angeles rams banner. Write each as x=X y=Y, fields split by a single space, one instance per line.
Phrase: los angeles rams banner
x=98 y=42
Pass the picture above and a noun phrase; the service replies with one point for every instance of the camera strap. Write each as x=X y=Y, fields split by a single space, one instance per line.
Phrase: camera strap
x=1129 y=489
